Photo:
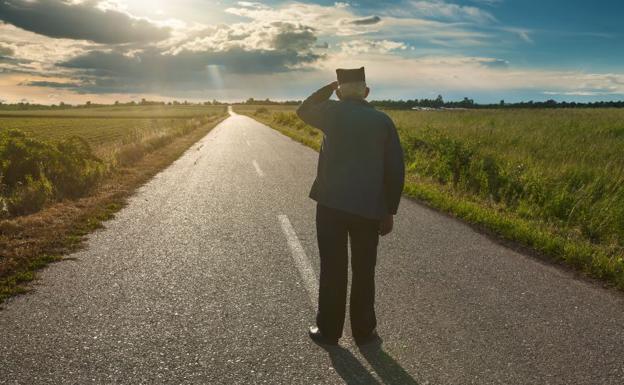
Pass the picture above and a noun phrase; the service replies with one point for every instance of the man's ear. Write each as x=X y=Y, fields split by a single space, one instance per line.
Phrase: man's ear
x=366 y=93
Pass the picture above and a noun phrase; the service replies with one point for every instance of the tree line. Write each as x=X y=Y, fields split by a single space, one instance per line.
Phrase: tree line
x=437 y=103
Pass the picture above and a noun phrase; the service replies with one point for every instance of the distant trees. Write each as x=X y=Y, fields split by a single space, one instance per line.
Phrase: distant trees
x=267 y=101
x=470 y=103
x=438 y=102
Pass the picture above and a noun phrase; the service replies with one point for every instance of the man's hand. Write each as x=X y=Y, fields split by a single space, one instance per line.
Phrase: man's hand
x=386 y=224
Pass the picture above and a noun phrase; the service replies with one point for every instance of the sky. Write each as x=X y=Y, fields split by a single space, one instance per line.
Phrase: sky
x=488 y=50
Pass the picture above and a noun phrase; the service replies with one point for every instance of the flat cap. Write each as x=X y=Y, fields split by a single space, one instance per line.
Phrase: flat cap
x=350 y=75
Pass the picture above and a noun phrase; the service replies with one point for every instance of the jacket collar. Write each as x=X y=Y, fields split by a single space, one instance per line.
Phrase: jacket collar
x=361 y=102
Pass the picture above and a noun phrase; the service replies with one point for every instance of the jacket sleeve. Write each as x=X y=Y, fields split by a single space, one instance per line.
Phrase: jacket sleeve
x=394 y=170
x=315 y=109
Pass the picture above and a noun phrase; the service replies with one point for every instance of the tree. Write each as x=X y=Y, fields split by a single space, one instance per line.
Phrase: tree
x=466 y=103
x=439 y=101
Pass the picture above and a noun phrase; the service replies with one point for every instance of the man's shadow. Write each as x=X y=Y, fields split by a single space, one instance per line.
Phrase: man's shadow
x=353 y=372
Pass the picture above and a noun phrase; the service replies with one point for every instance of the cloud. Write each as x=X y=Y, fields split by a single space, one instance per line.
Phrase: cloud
x=49 y=84
x=442 y=11
x=273 y=35
x=441 y=74
x=575 y=93
x=523 y=33
x=30 y=45
x=355 y=47
x=494 y=63
x=6 y=50
x=80 y=21
x=337 y=19
x=366 y=20
x=290 y=36
x=488 y=2
x=113 y=71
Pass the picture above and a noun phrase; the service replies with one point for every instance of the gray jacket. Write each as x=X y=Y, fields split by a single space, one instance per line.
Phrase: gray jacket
x=360 y=168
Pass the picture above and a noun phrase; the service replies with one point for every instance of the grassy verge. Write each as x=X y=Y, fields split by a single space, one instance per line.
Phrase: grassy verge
x=27 y=243
x=550 y=198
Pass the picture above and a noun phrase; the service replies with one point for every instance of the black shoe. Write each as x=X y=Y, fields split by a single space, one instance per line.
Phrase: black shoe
x=373 y=337
x=319 y=338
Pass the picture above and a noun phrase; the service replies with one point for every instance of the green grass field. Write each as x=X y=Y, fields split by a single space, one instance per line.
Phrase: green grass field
x=549 y=179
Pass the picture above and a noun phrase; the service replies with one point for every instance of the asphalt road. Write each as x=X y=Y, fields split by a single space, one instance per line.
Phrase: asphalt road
x=207 y=277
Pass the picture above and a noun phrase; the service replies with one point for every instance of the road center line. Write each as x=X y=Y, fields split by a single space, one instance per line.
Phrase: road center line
x=258 y=169
x=301 y=259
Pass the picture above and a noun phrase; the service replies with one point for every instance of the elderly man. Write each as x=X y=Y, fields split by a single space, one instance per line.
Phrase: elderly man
x=358 y=188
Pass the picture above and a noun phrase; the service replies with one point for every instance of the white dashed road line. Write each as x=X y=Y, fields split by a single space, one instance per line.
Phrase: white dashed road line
x=301 y=259
x=258 y=169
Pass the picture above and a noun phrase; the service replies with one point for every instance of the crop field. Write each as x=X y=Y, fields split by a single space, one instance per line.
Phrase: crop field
x=158 y=111
x=550 y=179
x=106 y=128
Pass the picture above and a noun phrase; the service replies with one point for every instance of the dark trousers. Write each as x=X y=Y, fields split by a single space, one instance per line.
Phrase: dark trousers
x=333 y=228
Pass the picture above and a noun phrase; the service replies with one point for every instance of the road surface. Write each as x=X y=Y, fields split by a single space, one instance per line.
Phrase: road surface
x=208 y=276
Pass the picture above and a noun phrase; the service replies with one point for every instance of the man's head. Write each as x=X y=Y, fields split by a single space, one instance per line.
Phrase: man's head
x=351 y=84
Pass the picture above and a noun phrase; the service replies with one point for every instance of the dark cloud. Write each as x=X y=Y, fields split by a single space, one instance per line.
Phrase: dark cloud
x=293 y=37
x=8 y=61
x=366 y=20
x=81 y=21
x=6 y=50
x=106 y=72
x=47 y=84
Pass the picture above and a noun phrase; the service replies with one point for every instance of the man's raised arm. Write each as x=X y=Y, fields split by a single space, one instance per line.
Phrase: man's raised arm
x=313 y=110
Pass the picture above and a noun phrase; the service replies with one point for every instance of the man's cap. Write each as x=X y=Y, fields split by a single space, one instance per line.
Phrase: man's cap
x=350 y=75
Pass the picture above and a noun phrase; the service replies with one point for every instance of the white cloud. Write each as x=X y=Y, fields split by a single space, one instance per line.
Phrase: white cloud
x=355 y=47
x=472 y=74
x=441 y=10
x=523 y=33
x=273 y=35
x=488 y=2
x=337 y=19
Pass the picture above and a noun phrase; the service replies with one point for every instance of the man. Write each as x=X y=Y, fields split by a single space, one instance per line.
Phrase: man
x=358 y=188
